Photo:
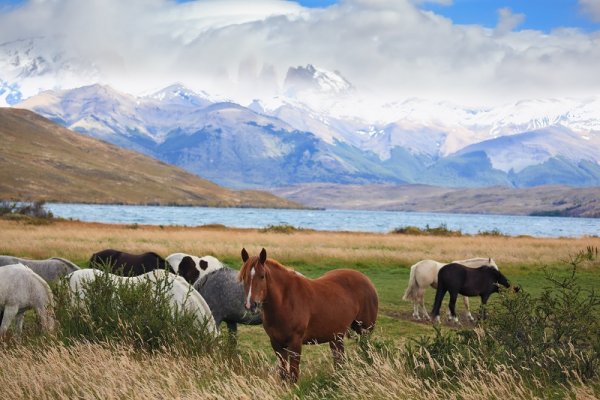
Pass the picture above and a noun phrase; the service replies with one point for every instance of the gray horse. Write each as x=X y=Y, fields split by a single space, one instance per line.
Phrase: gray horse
x=50 y=269
x=224 y=294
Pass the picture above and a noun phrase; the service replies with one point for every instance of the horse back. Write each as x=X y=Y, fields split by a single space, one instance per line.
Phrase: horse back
x=347 y=289
x=129 y=264
x=467 y=281
x=348 y=280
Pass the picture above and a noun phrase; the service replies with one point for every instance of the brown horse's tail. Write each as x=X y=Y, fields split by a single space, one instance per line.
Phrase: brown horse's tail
x=411 y=291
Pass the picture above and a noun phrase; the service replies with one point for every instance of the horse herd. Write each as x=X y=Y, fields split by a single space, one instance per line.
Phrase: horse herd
x=293 y=309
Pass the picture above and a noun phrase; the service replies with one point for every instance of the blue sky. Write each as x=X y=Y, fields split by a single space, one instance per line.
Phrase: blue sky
x=543 y=15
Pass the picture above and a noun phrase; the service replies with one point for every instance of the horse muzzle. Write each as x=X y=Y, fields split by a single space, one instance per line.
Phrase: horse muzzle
x=252 y=306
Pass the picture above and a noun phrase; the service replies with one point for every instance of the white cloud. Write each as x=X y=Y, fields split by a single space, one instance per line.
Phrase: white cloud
x=591 y=8
x=507 y=21
x=389 y=48
x=441 y=2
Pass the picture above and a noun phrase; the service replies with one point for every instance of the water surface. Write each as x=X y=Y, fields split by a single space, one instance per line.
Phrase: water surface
x=335 y=220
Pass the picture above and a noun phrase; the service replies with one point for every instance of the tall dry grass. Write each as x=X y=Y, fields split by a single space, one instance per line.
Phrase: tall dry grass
x=102 y=371
x=76 y=241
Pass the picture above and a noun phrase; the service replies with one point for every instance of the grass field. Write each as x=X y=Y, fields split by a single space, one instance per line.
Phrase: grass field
x=385 y=258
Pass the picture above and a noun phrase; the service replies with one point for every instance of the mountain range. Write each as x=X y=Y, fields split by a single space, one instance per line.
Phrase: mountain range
x=278 y=144
x=316 y=127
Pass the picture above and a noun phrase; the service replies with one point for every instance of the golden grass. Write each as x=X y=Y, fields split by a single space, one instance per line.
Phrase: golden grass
x=103 y=371
x=87 y=370
x=77 y=241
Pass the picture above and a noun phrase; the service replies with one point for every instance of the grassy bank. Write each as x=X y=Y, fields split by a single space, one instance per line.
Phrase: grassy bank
x=66 y=370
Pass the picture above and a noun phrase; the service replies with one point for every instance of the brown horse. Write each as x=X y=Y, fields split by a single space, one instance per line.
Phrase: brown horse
x=297 y=310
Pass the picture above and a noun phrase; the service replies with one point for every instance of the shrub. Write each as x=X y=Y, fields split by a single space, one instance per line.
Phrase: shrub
x=32 y=213
x=284 y=228
x=408 y=230
x=552 y=338
x=441 y=230
x=492 y=232
x=139 y=314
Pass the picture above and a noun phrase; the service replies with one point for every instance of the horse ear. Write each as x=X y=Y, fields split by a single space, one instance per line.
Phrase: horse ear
x=188 y=270
x=245 y=255
x=263 y=256
x=203 y=265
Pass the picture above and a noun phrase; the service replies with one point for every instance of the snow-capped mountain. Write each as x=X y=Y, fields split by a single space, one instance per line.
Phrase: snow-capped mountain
x=318 y=127
x=310 y=78
x=516 y=152
x=28 y=66
x=283 y=141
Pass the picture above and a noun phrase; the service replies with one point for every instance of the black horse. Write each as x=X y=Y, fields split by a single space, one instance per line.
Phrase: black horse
x=456 y=278
x=126 y=264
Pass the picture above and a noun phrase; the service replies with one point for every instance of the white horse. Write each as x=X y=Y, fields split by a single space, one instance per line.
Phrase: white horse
x=424 y=274
x=50 y=269
x=20 y=290
x=205 y=265
x=181 y=294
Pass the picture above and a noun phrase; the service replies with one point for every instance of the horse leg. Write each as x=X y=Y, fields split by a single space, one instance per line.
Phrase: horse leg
x=294 y=351
x=19 y=322
x=468 y=308
x=484 y=299
x=337 y=349
x=282 y=358
x=415 y=314
x=437 y=304
x=232 y=337
x=232 y=327
x=421 y=294
x=9 y=314
x=452 y=305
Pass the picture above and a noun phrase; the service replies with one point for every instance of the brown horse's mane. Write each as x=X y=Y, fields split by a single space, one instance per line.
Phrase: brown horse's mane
x=244 y=274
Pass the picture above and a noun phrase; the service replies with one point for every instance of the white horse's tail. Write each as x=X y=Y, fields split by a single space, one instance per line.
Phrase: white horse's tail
x=411 y=291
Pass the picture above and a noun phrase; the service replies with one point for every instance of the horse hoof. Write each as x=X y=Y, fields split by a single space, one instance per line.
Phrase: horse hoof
x=416 y=317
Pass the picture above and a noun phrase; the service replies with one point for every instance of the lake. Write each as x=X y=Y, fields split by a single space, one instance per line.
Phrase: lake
x=335 y=220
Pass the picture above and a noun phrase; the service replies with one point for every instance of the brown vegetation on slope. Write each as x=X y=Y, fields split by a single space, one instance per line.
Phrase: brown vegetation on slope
x=40 y=160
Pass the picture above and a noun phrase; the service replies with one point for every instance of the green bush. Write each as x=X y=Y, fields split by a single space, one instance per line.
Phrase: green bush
x=139 y=314
x=441 y=230
x=553 y=338
x=492 y=232
x=30 y=213
x=285 y=228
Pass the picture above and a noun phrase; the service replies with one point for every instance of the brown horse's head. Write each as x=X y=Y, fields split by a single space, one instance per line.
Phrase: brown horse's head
x=253 y=276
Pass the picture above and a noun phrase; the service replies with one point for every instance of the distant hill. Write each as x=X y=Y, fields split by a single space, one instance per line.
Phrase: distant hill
x=539 y=200
x=42 y=160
